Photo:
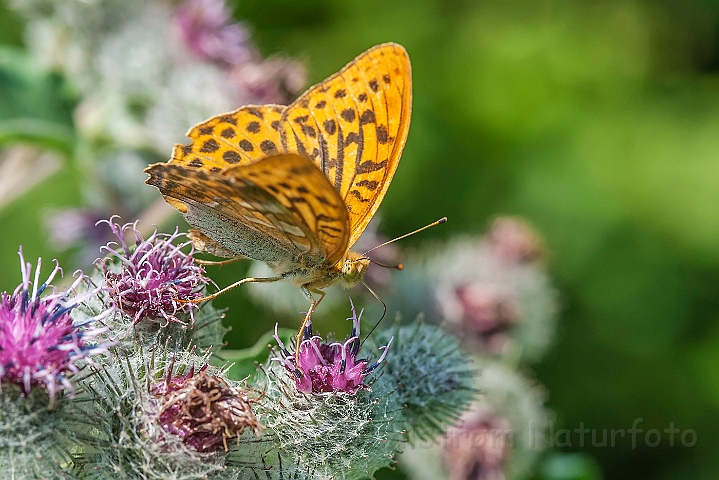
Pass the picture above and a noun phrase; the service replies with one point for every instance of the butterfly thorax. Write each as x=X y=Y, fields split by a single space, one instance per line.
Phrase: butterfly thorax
x=348 y=272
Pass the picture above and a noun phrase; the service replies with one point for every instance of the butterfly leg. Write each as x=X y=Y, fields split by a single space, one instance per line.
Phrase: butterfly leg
x=215 y=262
x=313 y=304
x=236 y=284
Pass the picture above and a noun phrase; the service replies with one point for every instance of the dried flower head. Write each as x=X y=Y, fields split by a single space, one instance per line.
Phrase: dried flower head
x=204 y=411
x=39 y=342
x=154 y=279
x=329 y=367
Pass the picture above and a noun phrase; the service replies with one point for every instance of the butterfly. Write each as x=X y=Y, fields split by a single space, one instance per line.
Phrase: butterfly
x=295 y=186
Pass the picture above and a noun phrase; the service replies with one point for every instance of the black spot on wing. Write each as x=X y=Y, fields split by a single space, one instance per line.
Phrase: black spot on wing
x=229 y=119
x=330 y=126
x=231 y=156
x=368 y=184
x=209 y=146
x=348 y=115
x=358 y=196
x=246 y=146
x=370 y=166
x=382 y=134
x=309 y=130
x=268 y=147
x=352 y=137
x=254 y=111
x=228 y=133
x=253 y=127
x=367 y=117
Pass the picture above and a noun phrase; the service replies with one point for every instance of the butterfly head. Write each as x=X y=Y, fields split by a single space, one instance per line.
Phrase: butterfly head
x=354 y=266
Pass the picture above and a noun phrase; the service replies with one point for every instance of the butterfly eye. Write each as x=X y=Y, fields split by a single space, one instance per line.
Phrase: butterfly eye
x=353 y=269
x=361 y=264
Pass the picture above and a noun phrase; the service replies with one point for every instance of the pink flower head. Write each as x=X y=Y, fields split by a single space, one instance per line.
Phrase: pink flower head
x=478 y=447
x=39 y=342
x=203 y=410
x=207 y=29
x=155 y=279
x=488 y=313
x=514 y=241
x=330 y=367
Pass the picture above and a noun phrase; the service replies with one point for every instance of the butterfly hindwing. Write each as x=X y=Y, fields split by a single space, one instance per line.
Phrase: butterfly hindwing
x=296 y=183
x=235 y=138
x=279 y=209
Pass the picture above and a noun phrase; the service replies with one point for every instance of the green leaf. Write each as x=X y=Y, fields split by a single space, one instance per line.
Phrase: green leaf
x=35 y=104
x=50 y=135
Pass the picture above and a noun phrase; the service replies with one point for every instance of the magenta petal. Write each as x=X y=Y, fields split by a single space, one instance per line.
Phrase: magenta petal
x=328 y=367
x=39 y=342
x=152 y=276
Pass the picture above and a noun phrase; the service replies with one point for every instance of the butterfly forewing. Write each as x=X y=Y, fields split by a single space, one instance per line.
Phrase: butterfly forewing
x=353 y=126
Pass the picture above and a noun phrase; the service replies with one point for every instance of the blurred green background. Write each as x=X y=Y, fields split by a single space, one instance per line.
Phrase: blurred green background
x=598 y=121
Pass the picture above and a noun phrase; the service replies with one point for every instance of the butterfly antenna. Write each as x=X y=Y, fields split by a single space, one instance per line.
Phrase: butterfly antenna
x=441 y=220
x=399 y=266
x=384 y=306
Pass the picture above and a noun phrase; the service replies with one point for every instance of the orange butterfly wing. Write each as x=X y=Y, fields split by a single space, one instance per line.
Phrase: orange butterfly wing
x=353 y=126
x=280 y=210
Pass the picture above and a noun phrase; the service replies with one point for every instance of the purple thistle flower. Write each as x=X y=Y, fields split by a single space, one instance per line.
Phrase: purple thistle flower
x=330 y=367
x=39 y=342
x=206 y=28
x=203 y=410
x=155 y=279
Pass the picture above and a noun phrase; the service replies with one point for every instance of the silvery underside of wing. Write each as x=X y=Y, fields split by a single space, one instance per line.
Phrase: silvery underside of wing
x=240 y=215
